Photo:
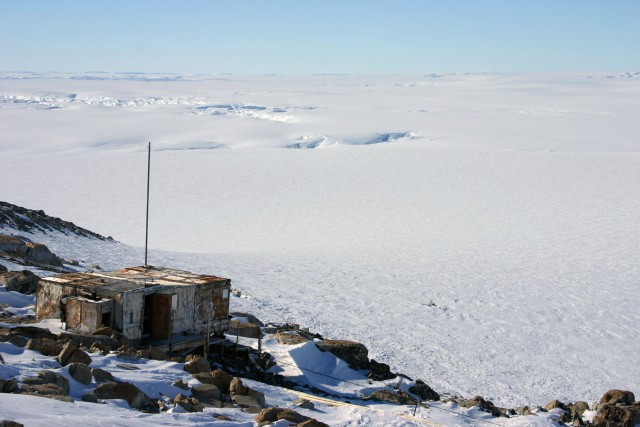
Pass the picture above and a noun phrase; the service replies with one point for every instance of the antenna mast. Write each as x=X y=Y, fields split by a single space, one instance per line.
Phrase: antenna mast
x=146 y=237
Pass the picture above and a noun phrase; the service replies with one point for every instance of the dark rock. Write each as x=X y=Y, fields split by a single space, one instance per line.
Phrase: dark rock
x=51 y=377
x=46 y=346
x=3 y=268
x=206 y=393
x=90 y=397
x=24 y=282
x=617 y=416
x=98 y=347
x=578 y=408
x=45 y=389
x=312 y=423
x=271 y=415
x=1 y=363
x=100 y=375
x=129 y=392
x=304 y=403
x=380 y=371
x=219 y=378
x=354 y=353
x=189 y=404
x=9 y=423
x=70 y=353
x=12 y=245
x=238 y=389
x=157 y=354
x=40 y=254
x=556 y=404
x=399 y=398
x=195 y=364
x=423 y=391
x=614 y=397
x=80 y=372
x=10 y=386
x=480 y=402
x=104 y=331
x=88 y=340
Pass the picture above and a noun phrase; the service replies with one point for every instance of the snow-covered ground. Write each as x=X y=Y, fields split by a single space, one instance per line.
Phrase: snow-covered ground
x=349 y=203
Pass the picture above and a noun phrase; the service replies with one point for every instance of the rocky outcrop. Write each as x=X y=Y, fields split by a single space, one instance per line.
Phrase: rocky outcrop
x=30 y=220
x=24 y=281
x=40 y=254
x=354 y=353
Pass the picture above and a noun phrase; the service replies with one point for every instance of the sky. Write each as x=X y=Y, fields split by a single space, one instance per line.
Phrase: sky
x=315 y=37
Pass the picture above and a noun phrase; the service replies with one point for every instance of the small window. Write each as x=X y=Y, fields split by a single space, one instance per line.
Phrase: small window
x=225 y=293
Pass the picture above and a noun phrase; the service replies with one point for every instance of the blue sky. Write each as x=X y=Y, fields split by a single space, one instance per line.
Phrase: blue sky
x=307 y=37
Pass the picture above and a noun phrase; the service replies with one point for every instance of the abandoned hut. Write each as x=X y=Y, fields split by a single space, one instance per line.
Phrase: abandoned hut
x=149 y=305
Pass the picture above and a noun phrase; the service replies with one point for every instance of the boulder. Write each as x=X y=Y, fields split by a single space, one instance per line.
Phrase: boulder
x=271 y=415
x=196 y=364
x=578 y=408
x=70 y=353
x=89 y=397
x=157 y=354
x=303 y=403
x=9 y=423
x=380 y=371
x=189 y=404
x=312 y=422
x=51 y=377
x=40 y=254
x=617 y=416
x=80 y=372
x=239 y=391
x=129 y=392
x=10 y=386
x=100 y=375
x=423 y=391
x=24 y=282
x=237 y=387
x=206 y=393
x=104 y=331
x=45 y=346
x=3 y=268
x=614 y=397
x=354 y=353
x=556 y=404
x=99 y=347
x=480 y=402
x=219 y=378
x=1 y=362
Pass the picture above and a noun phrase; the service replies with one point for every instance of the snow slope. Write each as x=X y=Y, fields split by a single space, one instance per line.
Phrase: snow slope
x=510 y=201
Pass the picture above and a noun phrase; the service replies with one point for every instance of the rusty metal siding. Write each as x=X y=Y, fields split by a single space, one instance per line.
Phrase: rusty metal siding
x=74 y=313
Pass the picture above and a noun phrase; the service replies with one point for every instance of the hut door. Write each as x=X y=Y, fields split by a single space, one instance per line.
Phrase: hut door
x=159 y=315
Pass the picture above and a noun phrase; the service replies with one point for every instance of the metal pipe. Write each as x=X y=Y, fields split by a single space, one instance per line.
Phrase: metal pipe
x=146 y=237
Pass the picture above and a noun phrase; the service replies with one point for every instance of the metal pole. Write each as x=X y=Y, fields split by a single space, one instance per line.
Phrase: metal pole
x=146 y=237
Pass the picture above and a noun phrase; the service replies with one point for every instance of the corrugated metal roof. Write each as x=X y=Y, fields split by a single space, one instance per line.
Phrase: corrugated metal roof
x=132 y=278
